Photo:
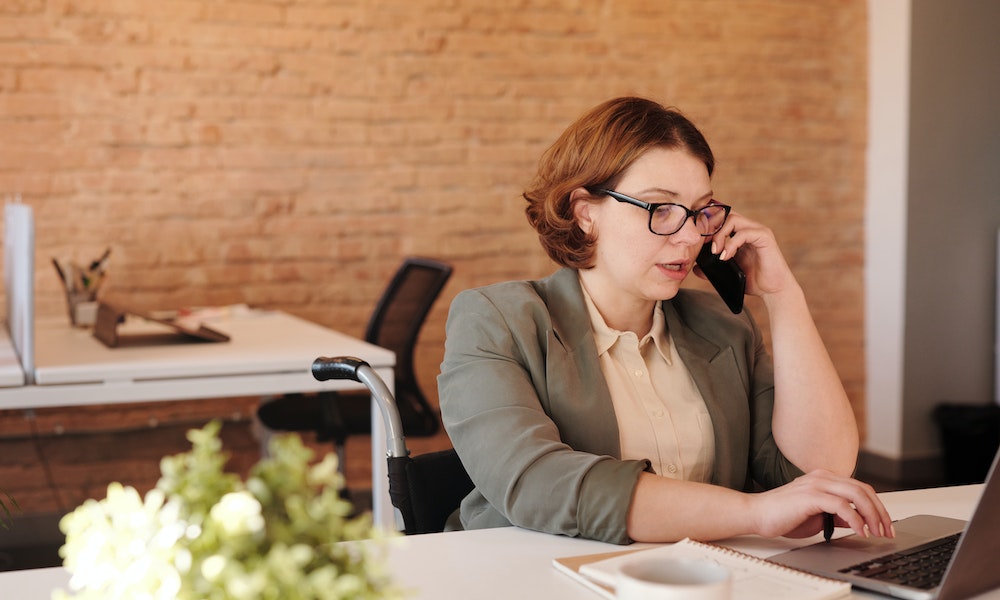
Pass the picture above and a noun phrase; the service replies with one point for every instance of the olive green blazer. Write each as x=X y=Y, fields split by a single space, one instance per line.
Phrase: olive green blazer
x=527 y=407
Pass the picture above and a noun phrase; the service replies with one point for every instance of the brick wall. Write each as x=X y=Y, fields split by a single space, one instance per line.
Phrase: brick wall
x=288 y=153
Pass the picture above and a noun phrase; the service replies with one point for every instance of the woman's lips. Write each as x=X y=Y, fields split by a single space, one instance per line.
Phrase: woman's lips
x=675 y=270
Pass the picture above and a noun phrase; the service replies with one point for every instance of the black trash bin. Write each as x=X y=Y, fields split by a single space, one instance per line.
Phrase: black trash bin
x=970 y=437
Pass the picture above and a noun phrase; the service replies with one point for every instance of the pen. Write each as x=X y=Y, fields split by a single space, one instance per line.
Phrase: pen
x=99 y=263
x=827 y=526
x=62 y=275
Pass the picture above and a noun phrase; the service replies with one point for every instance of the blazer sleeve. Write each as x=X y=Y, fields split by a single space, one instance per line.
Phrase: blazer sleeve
x=495 y=387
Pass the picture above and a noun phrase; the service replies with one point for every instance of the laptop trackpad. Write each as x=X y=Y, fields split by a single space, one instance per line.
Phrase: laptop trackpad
x=827 y=558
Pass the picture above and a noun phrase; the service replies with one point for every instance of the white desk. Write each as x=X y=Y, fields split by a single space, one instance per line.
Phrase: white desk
x=269 y=353
x=509 y=562
x=11 y=373
x=516 y=563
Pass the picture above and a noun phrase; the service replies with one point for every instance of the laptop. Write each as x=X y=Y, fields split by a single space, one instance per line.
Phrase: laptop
x=970 y=567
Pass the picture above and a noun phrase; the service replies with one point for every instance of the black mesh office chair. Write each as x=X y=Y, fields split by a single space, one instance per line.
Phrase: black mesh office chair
x=395 y=324
x=426 y=488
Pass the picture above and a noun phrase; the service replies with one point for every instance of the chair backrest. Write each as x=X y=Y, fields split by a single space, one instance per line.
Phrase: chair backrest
x=426 y=488
x=396 y=323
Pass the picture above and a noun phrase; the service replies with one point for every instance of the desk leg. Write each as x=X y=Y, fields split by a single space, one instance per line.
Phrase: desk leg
x=383 y=513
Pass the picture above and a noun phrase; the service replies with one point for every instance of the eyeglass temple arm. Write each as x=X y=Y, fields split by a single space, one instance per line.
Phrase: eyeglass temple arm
x=628 y=199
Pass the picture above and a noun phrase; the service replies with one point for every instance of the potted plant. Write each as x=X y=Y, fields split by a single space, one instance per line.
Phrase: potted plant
x=205 y=533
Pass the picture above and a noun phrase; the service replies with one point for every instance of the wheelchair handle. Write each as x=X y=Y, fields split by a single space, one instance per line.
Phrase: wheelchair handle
x=355 y=369
x=341 y=367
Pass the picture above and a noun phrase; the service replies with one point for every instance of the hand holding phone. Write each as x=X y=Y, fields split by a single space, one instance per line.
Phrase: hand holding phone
x=725 y=276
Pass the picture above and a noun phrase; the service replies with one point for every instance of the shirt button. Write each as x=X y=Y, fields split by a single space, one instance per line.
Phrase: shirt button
x=638 y=372
x=658 y=414
x=672 y=468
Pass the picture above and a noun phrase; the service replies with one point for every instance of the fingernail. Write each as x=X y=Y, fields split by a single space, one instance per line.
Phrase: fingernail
x=722 y=256
x=715 y=248
x=892 y=530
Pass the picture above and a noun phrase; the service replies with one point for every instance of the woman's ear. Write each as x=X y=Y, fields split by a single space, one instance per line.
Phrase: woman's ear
x=583 y=209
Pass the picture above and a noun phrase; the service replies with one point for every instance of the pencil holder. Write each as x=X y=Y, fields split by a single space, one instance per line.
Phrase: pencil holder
x=82 y=284
x=82 y=309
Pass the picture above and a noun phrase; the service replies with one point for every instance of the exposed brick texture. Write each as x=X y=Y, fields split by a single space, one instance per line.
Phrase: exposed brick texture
x=288 y=153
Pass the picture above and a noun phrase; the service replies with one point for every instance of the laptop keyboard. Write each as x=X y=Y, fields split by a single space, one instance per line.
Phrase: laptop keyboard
x=921 y=567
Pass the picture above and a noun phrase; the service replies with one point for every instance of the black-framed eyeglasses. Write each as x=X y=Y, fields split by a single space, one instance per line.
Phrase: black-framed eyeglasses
x=667 y=218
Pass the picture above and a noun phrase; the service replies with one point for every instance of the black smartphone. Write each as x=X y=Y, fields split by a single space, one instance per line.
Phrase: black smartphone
x=725 y=276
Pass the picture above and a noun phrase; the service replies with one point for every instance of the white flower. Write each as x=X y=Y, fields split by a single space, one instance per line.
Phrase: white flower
x=238 y=513
x=212 y=567
x=122 y=547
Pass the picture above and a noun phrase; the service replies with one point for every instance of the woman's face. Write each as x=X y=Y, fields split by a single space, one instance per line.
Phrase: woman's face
x=630 y=261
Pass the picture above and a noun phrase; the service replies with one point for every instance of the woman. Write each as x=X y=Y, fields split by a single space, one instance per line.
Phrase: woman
x=605 y=401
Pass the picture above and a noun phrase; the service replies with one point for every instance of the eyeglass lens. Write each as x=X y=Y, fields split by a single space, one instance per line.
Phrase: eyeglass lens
x=669 y=218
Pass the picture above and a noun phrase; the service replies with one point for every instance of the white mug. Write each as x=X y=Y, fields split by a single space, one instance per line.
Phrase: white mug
x=673 y=579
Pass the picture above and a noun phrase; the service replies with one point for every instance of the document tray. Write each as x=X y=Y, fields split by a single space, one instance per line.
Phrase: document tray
x=109 y=317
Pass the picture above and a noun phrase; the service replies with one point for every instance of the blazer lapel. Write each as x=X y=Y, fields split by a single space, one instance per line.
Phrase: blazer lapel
x=715 y=372
x=574 y=373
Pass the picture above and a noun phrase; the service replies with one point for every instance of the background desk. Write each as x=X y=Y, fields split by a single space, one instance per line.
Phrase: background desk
x=11 y=373
x=269 y=353
x=509 y=562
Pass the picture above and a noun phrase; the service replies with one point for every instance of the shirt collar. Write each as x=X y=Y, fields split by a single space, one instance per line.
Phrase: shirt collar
x=606 y=337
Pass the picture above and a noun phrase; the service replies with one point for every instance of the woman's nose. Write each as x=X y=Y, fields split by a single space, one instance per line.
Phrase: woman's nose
x=688 y=233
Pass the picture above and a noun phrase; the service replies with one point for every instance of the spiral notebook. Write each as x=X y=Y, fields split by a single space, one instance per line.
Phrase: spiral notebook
x=752 y=577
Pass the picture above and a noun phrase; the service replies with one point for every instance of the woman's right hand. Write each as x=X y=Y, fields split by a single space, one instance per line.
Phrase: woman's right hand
x=796 y=509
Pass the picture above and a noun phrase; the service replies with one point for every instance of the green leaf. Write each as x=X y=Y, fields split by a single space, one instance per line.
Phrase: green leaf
x=6 y=519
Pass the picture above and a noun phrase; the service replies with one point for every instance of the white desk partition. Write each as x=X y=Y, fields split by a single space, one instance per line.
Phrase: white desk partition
x=508 y=562
x=19 y=284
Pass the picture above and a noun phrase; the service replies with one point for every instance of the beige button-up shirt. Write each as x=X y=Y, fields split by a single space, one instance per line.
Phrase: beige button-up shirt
x=661 y=414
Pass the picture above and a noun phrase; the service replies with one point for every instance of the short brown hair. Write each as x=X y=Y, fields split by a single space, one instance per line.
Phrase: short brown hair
x=594 y=152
